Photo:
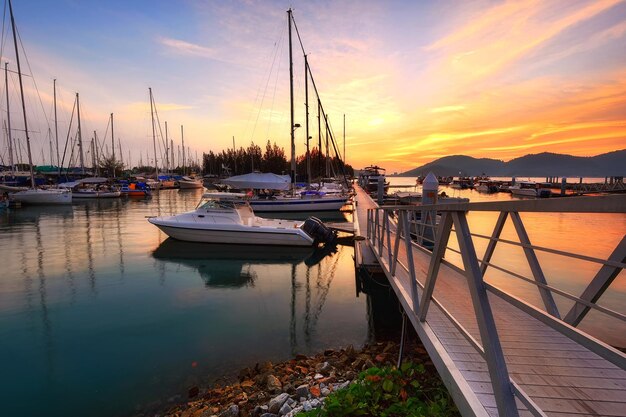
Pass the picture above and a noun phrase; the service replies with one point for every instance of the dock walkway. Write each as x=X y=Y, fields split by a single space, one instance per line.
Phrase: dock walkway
x=498 y=355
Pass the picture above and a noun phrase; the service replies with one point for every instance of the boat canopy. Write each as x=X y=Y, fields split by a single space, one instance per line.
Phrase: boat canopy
x=259 y=181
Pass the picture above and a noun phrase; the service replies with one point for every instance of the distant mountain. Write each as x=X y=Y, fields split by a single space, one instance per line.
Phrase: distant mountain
x=535 y=165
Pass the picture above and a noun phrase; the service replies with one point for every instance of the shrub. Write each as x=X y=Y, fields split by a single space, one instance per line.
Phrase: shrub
x=389 y=392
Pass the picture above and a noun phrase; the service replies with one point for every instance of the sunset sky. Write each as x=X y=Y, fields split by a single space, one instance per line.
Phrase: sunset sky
x=417 y=80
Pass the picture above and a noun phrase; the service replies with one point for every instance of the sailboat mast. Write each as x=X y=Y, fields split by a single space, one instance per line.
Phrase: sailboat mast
x=327 y=150
x=56 y=125
x=167 y=151
x=6 y=87
x=97 y=156
x=306 y=105
x=19 y=74
x=156 y=168
x=112 y=146
x=344 y=140
x=292 y=125
x=319 y=137
x=80 y=137
x=182 y=138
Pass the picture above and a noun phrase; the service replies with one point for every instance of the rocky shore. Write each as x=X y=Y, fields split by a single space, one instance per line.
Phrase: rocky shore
x=299 y=384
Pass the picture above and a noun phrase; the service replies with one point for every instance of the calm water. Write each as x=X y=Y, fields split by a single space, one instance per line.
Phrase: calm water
x=101 y=315
x=594 y=235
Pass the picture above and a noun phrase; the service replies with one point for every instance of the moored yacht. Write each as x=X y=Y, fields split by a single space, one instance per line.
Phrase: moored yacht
x=228 y=218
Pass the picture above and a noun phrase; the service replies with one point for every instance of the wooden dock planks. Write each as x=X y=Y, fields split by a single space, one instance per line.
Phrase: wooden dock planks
x=561 y=376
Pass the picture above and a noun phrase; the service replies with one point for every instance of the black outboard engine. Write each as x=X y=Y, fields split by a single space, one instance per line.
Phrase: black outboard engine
x=315 y=228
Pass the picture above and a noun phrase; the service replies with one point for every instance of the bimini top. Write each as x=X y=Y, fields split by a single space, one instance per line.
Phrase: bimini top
x=259 y=181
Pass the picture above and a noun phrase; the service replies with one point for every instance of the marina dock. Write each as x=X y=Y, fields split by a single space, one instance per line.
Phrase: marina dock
x=498 y=355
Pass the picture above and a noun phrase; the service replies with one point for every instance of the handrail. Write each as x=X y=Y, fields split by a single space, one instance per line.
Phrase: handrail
x=381 y=228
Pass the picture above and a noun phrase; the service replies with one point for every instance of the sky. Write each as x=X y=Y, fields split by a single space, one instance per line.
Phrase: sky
x=416 y=80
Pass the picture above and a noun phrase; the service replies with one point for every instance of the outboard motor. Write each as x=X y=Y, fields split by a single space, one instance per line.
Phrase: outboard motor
x=315 y=228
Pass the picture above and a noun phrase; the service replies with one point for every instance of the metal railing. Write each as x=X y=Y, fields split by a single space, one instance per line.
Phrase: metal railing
x=428 y=229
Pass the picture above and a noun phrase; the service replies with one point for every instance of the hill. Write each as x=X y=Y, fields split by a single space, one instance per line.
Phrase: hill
x=534 y=165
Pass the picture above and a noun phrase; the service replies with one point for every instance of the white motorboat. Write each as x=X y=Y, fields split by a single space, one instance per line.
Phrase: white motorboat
x=228 y=218
x=187 y=183
x=531 y=189
x=37 y=196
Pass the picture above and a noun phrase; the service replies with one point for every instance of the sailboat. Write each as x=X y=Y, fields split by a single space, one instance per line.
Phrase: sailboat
x=32 y=195
x=304 y=201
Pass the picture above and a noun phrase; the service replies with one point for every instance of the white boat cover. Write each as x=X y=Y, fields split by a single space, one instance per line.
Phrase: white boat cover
x=259 y=181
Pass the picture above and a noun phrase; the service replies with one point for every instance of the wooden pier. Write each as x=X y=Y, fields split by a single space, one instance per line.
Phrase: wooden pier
x=497 y=354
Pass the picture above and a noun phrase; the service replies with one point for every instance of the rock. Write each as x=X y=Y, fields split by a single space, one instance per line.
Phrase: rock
x=306 y=406
x=273 y=383
x=284 y=409
x=269 y=415
x=350 y=375
x=245 y=373
x=277 y=402
x=193 y=392
x=291 y=402
x=315 y=391
x=302 y=391
x=296 y=410
x=289 y=388
x=315 y=403
x=322 y=367
x=343 y=385
x=328 y=352
x=231 y=411
x=325 y=392
x=368 y=364
x=264 y=367
x=318 y=376
x=259 y=410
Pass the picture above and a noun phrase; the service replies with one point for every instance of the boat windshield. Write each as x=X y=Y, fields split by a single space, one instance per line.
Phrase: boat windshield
x=213 y=204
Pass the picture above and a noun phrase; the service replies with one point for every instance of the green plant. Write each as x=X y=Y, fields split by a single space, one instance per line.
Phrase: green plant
x=389 y=392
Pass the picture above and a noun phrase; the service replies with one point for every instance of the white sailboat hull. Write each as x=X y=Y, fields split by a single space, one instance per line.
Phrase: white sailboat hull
x=231 y=233
x=188 y=185
x=96 y=194
x=298 y=204
x=42 y=197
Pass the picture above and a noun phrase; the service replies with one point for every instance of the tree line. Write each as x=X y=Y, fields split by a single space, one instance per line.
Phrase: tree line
x=273 y=159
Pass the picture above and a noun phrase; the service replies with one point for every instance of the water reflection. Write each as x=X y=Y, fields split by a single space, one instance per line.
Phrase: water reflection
x=92 y=292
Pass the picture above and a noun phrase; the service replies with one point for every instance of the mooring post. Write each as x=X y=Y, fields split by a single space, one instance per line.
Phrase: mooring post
x=430 y=189
x=381 y=190
x=563 y=185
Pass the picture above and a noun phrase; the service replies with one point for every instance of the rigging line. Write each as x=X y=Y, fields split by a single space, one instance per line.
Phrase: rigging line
x=269 y=77
x=4 y=38
x=104 y=139
x=67 y=138
x=33 y=77
x=269 y=123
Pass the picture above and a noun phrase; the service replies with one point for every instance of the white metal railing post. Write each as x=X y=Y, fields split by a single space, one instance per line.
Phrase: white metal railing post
x=410 y=264
x=396 y=245
x=439 y=250
x=494 y=357
x=491 y=246
x=381 y=240
x=387 y=215
x=533 y=262
x=376 y=231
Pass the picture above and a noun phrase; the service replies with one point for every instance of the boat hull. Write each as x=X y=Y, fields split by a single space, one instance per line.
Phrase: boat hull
x=523 y=192
x=190 y=185
x=232 y=234
x=297 y=205
x=42 y=197
x=96 y=194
